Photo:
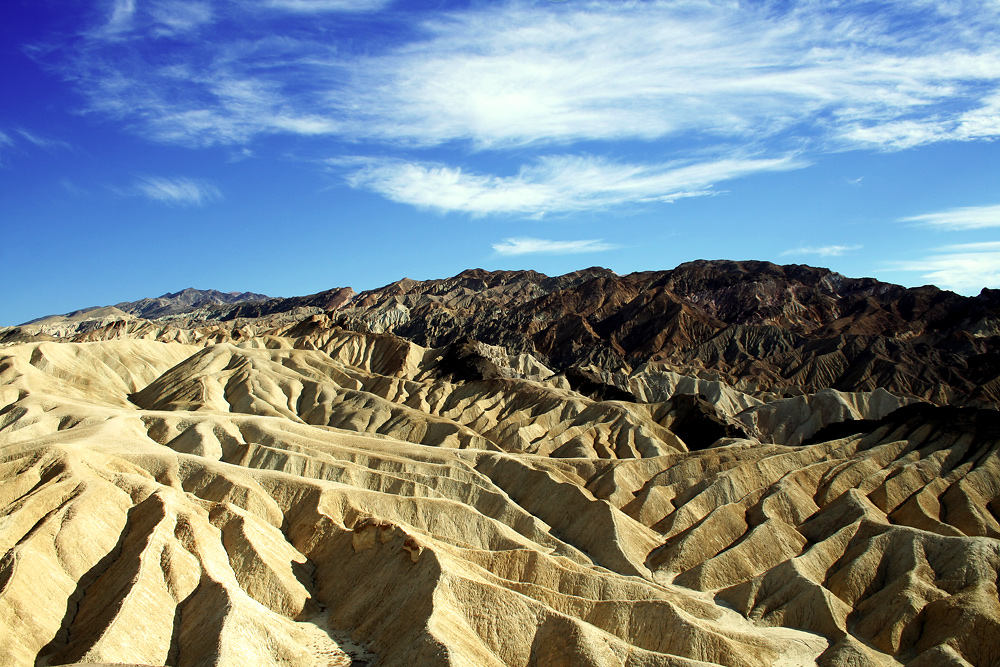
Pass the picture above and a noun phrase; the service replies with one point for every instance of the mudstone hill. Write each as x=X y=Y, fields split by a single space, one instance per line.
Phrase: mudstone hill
x=729 y=463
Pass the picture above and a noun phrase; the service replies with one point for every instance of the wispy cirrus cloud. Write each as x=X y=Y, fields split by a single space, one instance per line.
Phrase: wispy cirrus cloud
x=965 y=267
x=500 y=77
x=5 y=141
x=176 y=16
x=806 y=77
x=553 y=184
x=120 y=14
x=210 y=100
x=531 y=246
x=42 y=142
x=961 y=218
x=512 y=74
x=19 y=139
x=822 y=251
x=156 y=18
x=177 y=191
x=980 y=121
x=322 y=6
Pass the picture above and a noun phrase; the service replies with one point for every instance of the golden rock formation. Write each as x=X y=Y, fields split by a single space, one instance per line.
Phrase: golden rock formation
x=316 y=500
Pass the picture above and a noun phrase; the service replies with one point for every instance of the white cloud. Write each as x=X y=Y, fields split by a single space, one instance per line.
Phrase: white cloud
x=552 y=184
x=18 y=139
x=318 y=6
x=529 y=246
x=966 y=217
x=34 y=139
x=233 y=109
x=981 y=121
x=897 y=135
x=178 y=191
x=175 y=16
x=964 y=268
x=499 y=75
x=988 y=246
x=122 y=13
x=4 y=141
x=822 y=251
x=155 y=18
x=729 y=78
x=514 y=75
x=42 y=142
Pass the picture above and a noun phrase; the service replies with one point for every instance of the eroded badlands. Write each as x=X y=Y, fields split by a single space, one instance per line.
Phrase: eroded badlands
x=312 y=500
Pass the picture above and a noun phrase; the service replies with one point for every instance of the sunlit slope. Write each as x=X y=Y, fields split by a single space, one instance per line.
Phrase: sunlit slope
x=760 y=328
x=251 y=503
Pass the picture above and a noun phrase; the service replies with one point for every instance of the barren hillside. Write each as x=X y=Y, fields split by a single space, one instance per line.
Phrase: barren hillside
x=735 y=464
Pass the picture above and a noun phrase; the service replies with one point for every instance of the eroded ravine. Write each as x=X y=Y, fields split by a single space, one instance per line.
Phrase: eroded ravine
x=208 y=496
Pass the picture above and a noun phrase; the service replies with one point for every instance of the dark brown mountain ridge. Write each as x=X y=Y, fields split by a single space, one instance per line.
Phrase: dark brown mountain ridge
x=561 y=472
x=758 y=326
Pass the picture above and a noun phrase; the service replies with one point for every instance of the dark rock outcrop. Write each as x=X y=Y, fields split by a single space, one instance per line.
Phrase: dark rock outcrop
x=186 y=301
x=590 y=384
x=760 y=327
x=694 y=419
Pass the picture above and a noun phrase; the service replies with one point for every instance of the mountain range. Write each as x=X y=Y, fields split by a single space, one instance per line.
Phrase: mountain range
x=759 y=327
x=727 y=463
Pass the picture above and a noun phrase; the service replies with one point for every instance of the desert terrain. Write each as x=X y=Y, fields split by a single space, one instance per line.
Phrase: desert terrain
x=728 y=463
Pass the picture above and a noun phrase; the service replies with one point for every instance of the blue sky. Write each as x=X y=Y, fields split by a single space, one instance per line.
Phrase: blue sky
x=291 y=146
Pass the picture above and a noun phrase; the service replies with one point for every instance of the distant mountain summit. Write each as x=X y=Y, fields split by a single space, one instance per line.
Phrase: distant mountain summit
x=760 y=327
x=727 y=463
x=185 y=301
x=172 y=303
x=757 y=326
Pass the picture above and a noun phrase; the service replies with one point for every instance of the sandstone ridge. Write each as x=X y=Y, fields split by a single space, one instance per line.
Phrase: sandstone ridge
x=316 y=496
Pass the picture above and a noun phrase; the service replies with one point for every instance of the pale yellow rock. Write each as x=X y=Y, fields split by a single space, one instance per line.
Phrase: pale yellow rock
x=283 y=500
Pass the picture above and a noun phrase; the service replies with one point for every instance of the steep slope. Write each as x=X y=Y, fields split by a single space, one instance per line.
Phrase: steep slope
x=760 y=328
x=185 y=301
x=330 y=496
x=757 y=326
